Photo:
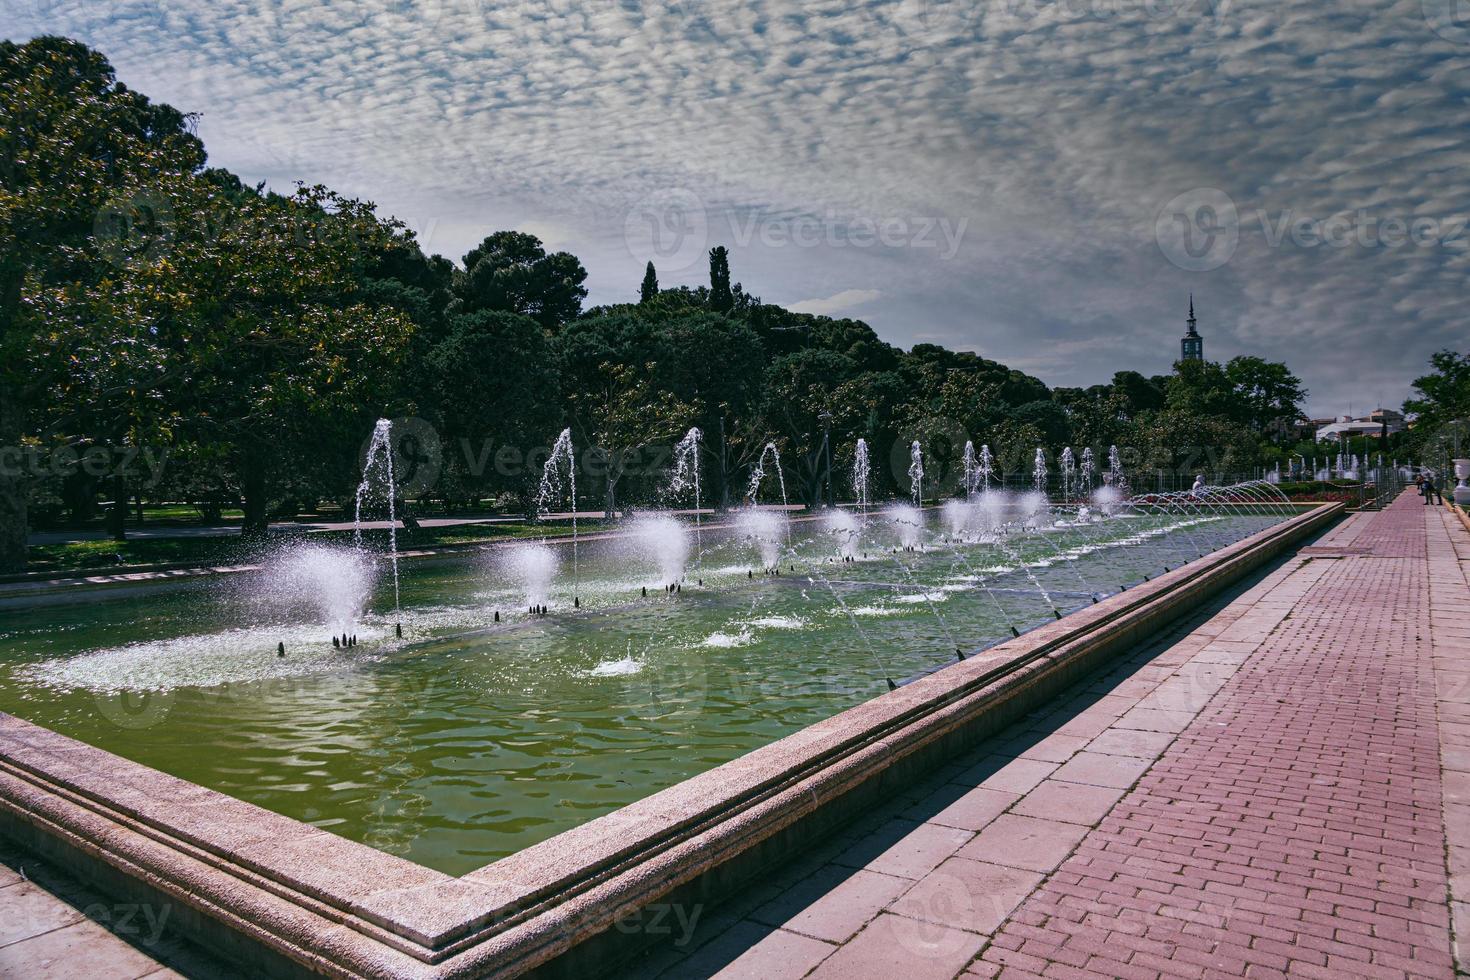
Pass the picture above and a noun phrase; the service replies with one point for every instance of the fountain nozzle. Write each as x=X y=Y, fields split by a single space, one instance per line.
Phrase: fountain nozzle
x=280 y=649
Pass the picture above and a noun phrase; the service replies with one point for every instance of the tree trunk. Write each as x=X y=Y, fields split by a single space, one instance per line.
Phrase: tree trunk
x=253 y=489
x=13 y=487
x=117 y=517
x=13 y=490
x=609 y=497
x=80 y=494
x=724 y=469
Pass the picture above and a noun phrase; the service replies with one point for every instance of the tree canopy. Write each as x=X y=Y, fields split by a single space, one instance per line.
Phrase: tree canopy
x=146 y=299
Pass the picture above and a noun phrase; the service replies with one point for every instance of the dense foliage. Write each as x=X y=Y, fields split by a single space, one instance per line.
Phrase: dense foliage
x=150 y=305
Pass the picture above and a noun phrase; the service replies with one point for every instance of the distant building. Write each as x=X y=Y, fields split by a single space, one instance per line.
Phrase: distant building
x=1371 y=424
x=1192 y=345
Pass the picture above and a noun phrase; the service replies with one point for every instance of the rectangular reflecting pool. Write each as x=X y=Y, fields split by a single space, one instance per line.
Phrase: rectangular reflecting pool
x=486 y=728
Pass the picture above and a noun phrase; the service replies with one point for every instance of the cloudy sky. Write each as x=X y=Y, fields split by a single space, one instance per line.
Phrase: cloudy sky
x=1042 y=181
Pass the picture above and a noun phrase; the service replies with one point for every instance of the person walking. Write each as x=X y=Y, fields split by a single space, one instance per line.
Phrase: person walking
x=1421 y=487
x=1428 y=490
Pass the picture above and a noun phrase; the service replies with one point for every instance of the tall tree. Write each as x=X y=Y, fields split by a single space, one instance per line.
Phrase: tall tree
x=1270 y=395
x=510 y=271
x=721 y=299
x=77 y=148
x=648 y=292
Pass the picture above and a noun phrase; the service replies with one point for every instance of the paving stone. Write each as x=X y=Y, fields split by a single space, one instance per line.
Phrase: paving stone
x=1006 y=774
x=1072 y=802
x=83 y=949
x=27 y=910
x=1124 y=741
x=973 y=809
x=1024 y=842
x=1098 y=769
x=916 y=852
x=965 y=894
x=894 y=947
x=833 y=904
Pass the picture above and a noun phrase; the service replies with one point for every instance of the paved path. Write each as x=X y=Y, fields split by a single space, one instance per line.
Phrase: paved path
x=54 y=928
x=1281 y=787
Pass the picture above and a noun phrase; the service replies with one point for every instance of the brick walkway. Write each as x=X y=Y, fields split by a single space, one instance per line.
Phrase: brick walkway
x=1259 y=794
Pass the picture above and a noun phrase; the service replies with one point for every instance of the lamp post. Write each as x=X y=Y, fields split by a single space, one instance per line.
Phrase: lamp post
x=826 y=418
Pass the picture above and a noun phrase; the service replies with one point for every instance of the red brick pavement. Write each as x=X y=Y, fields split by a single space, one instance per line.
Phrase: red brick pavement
x=1281 y=787
x=1295 y=826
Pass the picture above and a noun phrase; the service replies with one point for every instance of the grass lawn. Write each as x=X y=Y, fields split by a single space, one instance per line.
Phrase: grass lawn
x=227 y=550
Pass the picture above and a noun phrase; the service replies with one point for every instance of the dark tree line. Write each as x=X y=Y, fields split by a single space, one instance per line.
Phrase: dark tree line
x=150 y=301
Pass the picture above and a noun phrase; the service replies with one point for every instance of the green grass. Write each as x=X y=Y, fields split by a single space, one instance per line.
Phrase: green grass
x=123 y=555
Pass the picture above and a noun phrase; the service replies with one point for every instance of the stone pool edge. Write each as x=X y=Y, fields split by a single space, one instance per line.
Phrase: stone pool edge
x=282 y=897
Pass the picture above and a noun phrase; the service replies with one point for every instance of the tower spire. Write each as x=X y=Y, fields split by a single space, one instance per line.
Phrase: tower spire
x=1191 y=346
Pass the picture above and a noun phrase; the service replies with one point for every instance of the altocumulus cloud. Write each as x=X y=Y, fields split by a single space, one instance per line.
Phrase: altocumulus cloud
x=1301 y=167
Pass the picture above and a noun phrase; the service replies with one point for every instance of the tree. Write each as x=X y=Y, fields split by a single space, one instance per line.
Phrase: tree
x=1270 y=395
x=648 y=292
x=800 y=388
x=608 y=365
x=1137 y=393
x=77 y=148
x=1202 y=388
x=721 y=299
x=714 y=365
x=510 y=271
x=498 y=386
x=1443 y=395
x=252 y=332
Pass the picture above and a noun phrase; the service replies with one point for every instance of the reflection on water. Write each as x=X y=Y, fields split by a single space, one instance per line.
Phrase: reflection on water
x=470 y=739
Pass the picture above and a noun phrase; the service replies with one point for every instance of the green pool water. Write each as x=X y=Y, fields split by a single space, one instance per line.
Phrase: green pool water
x=468 y=740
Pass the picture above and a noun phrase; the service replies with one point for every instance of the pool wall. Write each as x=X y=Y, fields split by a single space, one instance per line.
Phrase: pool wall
x=282 y=898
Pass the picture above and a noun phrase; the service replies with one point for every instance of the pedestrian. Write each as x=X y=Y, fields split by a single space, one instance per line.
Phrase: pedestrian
x=1426 y=487
x=1431 y=486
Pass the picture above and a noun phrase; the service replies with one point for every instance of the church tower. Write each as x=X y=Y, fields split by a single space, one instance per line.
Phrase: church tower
x=1192 y=346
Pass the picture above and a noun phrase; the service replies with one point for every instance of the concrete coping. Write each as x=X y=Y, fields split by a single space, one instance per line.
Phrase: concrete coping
x=344 y=908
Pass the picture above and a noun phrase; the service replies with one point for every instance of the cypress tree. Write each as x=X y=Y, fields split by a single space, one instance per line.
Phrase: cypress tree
x=720 y=297
x=649 y=290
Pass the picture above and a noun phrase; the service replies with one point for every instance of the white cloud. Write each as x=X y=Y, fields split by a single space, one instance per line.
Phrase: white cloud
x=838 y=302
